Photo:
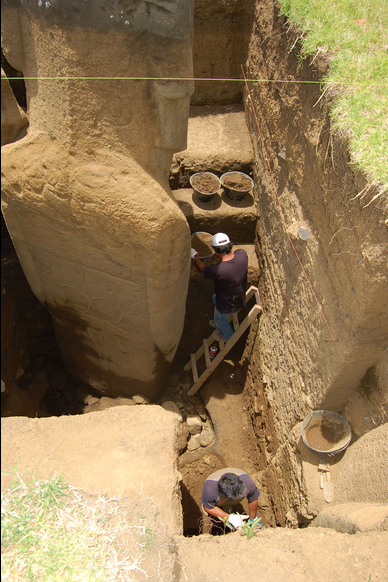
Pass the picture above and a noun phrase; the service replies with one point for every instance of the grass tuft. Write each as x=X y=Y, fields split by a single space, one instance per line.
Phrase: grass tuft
x=53 y=532
x=354 y=37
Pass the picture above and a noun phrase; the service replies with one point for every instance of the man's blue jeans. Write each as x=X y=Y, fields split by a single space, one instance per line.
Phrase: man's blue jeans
x=221 y=321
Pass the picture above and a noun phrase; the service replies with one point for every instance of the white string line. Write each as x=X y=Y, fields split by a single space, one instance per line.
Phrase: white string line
x=89 y=78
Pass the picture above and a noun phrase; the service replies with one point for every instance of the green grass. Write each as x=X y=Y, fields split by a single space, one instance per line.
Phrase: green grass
x=354 y=37
x=52 y=532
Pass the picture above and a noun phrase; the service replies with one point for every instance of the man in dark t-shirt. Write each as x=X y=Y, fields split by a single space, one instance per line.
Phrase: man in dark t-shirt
x=224 y=489
x=230 y=281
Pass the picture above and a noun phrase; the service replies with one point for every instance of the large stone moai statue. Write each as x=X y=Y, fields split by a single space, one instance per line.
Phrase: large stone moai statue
x=85 y=194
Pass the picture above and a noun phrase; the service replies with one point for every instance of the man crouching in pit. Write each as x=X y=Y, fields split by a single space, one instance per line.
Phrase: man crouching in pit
x=226 y=488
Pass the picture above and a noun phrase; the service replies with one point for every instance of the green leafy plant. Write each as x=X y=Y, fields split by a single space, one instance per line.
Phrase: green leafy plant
x=226 y=522
x=249 y=528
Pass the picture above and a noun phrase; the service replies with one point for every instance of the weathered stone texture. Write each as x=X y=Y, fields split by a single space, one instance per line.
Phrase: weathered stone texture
x=85 y=195
x=13 y=118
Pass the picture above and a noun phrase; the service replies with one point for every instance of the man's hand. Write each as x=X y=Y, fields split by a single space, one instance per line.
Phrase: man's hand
x=256 y=521
x=236 y=520
x=252 y=509
x=197 y=261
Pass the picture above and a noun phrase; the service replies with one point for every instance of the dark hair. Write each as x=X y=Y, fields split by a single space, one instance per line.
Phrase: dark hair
x=225 y=249
x=231 y=486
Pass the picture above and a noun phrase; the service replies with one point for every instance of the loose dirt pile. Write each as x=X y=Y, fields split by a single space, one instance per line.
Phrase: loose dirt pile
x=205 y=183
x=237 y=182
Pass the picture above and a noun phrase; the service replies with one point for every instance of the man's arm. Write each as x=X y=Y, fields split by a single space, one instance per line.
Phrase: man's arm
x=253 y=508
x=216 y=512
x=199 y=264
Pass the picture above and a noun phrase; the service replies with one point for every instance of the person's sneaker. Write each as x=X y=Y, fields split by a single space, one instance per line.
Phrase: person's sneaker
x=222 y=344
x=218 y=335
x=212 y=323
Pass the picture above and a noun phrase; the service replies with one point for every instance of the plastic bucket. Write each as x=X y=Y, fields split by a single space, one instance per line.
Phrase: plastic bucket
x=204 y=196
x=326 y=432
x=236 y=193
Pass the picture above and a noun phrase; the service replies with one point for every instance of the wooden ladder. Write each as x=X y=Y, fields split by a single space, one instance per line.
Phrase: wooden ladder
x=239 y=329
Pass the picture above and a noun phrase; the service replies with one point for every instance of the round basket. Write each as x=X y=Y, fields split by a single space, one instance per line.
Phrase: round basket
x=326 y=432
x=203 y=243
x=204 y=196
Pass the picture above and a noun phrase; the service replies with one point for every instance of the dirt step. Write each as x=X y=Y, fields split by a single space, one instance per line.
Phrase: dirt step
x=236 y=218
x=218 y=141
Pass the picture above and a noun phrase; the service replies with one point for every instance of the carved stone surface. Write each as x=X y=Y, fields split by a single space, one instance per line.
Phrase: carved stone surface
x=86 y=198
x=13 y=118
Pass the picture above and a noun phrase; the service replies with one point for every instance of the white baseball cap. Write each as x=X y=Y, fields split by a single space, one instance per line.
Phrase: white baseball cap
x=220 y=239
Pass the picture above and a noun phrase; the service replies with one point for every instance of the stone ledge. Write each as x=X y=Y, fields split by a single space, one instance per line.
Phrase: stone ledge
x=218 y=140
x=236 y=218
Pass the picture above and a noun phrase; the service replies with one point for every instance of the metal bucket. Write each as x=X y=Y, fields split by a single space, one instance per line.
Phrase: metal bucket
x=326 y=432
x=204 y=196
x=203 y=258
x=236 y=194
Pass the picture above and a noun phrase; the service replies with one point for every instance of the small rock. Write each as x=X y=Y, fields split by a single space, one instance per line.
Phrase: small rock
x=83 y=394
x=194 y=423
x=304 y=233
x=207 y=435
x=173 y=380
x=19 y=373
x=190 y=409
x=125 y=401
x=194 y=399
x=194 y=442
x=200 y=407
x=140 y=399
x=196 y=402
x=91 y=400
x=183 y=435
x=95 y=407
x=172 y=407
x=106 y=402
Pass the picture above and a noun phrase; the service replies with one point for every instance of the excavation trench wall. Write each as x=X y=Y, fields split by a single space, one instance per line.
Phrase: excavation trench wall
x=304 y=359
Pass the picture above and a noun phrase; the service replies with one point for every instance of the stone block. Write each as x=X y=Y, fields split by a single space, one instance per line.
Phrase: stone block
x=113 y=452
x=351 y=518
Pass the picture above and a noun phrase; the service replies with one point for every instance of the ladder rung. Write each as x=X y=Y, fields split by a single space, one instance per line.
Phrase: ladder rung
x=206 y=352
x=194 y=368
